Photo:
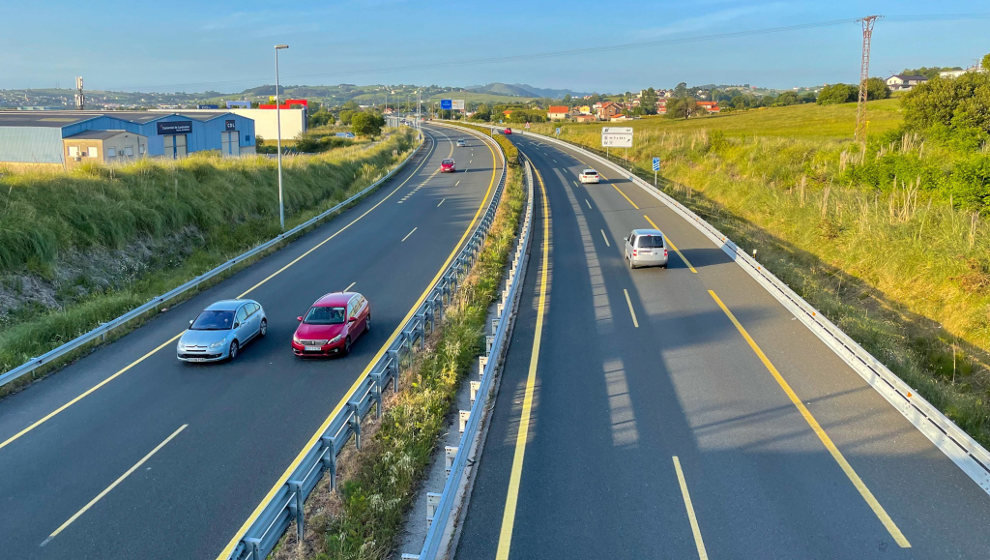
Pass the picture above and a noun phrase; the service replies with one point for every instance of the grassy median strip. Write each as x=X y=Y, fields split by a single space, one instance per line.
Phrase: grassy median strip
x=887 y=240
x=100 y=241
x=362 y=520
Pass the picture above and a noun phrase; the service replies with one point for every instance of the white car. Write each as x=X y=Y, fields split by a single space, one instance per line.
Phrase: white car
x=461 y=143
x=646 y=247
x=589 y=176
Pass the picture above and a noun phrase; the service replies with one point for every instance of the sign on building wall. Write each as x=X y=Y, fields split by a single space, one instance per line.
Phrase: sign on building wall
x=175 y=127
x=230 y=124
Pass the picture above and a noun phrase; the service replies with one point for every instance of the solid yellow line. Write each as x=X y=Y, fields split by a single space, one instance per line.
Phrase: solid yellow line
x=698 y=542
x=626 y=197
x=631 y=312
x=86 y=393
x=672 y=246
x=512 y=495
x=878 y=510
x=225 y=553
x=58 y=410
x=113 y=485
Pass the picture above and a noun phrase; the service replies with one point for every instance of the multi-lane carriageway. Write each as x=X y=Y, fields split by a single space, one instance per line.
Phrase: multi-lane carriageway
x=676 y=413
x=684 y=413
x=128 y=453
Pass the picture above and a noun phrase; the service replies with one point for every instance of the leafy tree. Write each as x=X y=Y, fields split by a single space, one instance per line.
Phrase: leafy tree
x=876 y=88
x=959 y=104
x=367 y=123
x=838 y=93
x=346 y=115
x=648 y=101
x=986 y=62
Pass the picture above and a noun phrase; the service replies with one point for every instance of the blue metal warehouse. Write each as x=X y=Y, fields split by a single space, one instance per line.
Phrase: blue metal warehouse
x=37 y=137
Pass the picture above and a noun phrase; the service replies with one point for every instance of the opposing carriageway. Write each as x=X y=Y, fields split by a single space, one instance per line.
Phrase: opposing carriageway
x=683 y=413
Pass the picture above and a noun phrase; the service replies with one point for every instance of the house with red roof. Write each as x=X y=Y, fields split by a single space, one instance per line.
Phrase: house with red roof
x=557 y=112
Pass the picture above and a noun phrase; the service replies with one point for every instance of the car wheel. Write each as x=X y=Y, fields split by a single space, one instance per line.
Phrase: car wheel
x=347 y=346
x=628 y=260
x=367 y=324
x=264 y=328
x=234 y=349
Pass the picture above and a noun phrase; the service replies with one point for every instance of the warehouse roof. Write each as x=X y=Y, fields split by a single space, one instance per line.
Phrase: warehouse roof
x=97 y=134
x=58 y=119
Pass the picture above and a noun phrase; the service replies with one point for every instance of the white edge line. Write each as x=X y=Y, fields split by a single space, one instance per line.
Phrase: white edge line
x=692 y=517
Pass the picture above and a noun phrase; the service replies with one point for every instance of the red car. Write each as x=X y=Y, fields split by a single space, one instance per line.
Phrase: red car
x=508 y=131
x=447 y=166
x=332 y=325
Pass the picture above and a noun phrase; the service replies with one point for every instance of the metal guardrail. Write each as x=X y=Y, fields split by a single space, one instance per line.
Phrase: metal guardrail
x=286 y=504
x=971 y=457
x=105 y=328
x=439 y=535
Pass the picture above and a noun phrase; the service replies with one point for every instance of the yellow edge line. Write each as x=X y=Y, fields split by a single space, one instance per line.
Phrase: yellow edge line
x=113 y=485
x=381 y=351
x=695 y=528
x=120 y=372
x=629 y=200
x=857 y=482
x=672 y=246
x=512 y=495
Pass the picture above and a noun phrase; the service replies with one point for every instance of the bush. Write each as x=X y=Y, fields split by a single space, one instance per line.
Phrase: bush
x=367 y=124
x=837 y=93
x=957 y=103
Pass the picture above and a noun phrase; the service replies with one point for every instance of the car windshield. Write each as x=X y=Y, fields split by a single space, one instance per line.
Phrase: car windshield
x=324 y=316
x=591 y=173
x=651 y=241
x=448 y=162
x=213 y=320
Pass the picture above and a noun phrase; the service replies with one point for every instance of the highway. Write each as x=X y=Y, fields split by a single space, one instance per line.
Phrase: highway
x=683 y=413
x=128 y=453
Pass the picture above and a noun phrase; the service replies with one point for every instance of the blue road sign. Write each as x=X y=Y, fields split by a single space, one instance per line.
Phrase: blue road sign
x=558 y=131
x=446 y=104
x=656 y=164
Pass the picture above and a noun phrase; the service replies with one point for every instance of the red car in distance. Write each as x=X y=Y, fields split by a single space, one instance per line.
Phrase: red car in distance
x=447 y=166
x=508 y=131
x=332 y=324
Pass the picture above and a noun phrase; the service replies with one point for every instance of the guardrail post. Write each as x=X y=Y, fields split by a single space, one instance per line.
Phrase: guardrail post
x=254 y=545
x=432 y=501
x=297 y=509
x=376 y=391
x=475 y=385
x=329 y=460
x=449 y=454
x=355 y=423
x=482 y=362
x=393 y=356
x=463 y=416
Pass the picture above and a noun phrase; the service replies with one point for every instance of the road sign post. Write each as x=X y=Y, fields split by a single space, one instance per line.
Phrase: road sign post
x=656 y=167
x=558 y=132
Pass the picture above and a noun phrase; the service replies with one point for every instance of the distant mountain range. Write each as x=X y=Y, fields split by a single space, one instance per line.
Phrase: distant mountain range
x=524 y=90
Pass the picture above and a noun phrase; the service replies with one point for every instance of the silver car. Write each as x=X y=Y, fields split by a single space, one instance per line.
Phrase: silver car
x=461 y=143
x=221 y=330
x=646 y=247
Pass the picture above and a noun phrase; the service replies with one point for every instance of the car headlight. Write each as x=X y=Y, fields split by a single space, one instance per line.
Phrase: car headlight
x=217 y=344
x=334 y=339
x=296 y=339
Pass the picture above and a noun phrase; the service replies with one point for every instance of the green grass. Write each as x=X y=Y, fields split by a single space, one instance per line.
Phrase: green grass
x=371 y=503
x=806 y=121
x=221 y=207
x=874 y=237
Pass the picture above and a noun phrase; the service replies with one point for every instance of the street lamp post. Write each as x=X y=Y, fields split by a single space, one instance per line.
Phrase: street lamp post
x=278 y=140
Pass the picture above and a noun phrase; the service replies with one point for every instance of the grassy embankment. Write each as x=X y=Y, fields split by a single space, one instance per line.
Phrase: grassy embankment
x=99 y=241
x=887 y=241
x=362 y=520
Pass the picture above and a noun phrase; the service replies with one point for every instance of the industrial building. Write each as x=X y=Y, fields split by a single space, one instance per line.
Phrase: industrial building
x=32 y=139
x=293 y=116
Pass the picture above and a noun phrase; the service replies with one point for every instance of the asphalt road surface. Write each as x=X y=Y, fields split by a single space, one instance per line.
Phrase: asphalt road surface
x=683 y=413
x=128 y=453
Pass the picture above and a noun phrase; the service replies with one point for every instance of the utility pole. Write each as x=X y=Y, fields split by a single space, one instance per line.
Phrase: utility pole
x=864 y=75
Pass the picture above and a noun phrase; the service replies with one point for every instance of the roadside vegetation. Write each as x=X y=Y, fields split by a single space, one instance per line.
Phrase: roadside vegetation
x=377 y=484
x=83 y=247
x=888 y=239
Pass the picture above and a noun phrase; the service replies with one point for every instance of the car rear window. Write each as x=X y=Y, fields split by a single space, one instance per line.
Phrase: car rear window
x=651 y=241
x=324 y=316
x=591 y=173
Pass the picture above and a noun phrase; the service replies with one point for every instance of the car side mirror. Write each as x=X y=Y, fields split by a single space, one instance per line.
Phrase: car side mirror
x=236 y=324
x=299 y=318
x=352 y=319
x=190 y=322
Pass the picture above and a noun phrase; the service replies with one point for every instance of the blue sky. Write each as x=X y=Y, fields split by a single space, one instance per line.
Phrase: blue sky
x=199 y=46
